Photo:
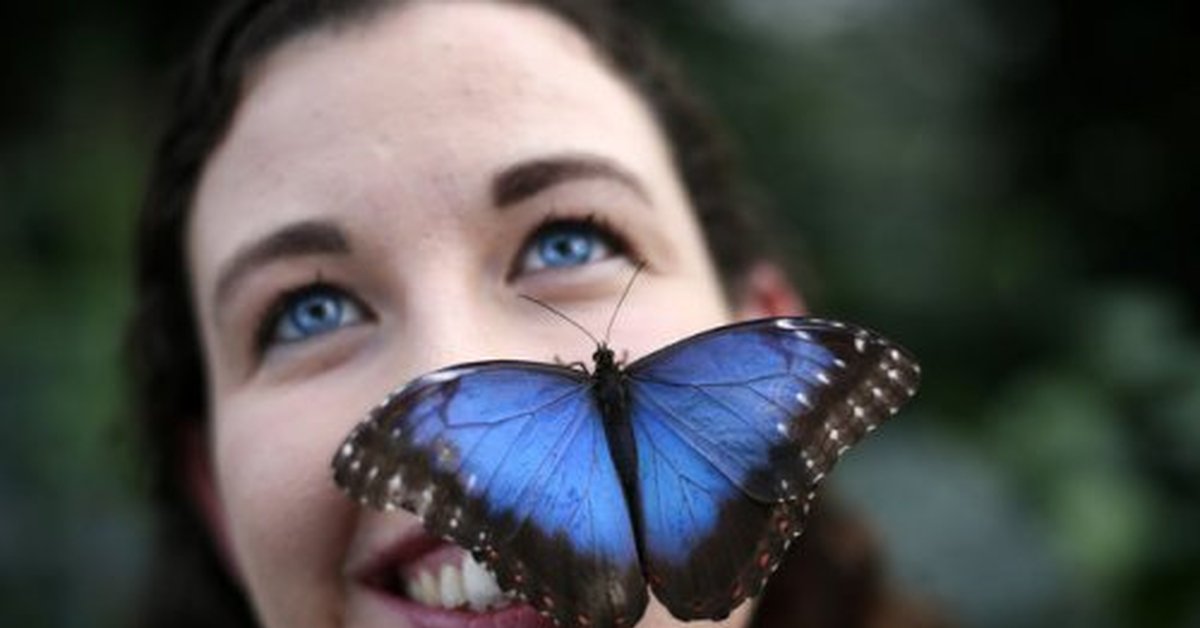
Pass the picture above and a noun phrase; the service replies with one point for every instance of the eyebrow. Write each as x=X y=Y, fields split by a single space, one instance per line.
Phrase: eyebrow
x=510 y=186
x=310 y=237
x=530 y=178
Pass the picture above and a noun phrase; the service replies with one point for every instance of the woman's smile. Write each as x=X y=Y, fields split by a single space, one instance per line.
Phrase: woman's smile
x=432 y=583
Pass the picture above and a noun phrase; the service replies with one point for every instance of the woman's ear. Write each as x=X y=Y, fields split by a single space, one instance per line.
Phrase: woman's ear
x=766 y=292
x=200 y=484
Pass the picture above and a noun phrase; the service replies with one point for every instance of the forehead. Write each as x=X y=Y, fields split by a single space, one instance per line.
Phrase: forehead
x=422 y=104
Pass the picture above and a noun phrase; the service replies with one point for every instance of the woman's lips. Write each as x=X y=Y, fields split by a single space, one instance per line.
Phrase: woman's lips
x=449 y=578
x=420 y=616
x=438 y=585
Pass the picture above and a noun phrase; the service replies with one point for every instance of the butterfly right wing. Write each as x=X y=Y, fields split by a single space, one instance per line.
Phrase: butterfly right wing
x=509 y=460
x=734 y=429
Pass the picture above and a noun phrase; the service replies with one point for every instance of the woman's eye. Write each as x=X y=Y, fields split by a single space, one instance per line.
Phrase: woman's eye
x=567 y=244
x=308 y=312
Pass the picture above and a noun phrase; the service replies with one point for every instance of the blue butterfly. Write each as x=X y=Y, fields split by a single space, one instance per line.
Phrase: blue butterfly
x=690 y=471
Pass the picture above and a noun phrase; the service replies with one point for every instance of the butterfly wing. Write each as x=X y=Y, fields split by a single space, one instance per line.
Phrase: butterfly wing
x=509 y=460
x=734 y=428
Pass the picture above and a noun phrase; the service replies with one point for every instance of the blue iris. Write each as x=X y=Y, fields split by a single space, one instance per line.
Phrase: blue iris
x=313 y=312
x=567 y=245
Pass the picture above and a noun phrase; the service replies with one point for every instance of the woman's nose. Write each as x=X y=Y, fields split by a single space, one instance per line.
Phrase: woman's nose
x=453 y=321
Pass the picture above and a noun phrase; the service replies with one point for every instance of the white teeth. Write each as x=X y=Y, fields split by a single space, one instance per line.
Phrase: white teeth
x=424 y=589
x=455 y=586
x=452 y=587
x=480 y=587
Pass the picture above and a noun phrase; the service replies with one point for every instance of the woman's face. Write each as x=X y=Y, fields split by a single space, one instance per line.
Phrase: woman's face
x=385 y=195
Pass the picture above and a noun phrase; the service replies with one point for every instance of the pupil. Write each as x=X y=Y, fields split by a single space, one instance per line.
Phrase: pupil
x=319 y=312
x=566 y=248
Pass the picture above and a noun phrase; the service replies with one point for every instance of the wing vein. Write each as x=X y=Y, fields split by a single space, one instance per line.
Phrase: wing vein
x=555 y=453
x=530 y=411
x=683 y=437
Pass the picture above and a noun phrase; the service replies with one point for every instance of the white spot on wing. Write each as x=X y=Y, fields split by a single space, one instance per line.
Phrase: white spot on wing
x=426 y=499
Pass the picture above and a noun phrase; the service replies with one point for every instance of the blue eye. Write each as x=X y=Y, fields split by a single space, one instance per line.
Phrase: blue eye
x=309 y=312
x=566 y=245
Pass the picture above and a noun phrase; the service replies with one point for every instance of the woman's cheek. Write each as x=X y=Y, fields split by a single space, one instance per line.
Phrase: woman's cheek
x=665 y=312
x=287 y=524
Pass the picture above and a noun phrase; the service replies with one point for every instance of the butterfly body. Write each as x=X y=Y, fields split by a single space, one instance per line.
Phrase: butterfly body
x=610 y=390
x=688 y=472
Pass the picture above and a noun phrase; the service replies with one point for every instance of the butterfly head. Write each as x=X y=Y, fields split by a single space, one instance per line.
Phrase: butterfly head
x=604 y=358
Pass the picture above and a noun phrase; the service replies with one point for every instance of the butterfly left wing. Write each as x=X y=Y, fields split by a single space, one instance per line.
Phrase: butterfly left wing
x=734 y=428
x=509 y=460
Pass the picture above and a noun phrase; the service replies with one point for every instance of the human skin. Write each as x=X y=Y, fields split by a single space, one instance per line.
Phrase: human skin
x=393 y=133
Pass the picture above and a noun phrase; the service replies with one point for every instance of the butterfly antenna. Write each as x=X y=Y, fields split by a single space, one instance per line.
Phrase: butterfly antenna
x=637 y=271
x=559 y=314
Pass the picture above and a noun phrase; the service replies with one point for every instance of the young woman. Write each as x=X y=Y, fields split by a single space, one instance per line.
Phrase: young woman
x=353 y=193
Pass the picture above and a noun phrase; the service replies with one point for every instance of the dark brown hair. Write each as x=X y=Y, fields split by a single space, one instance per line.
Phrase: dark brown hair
x=189 y=586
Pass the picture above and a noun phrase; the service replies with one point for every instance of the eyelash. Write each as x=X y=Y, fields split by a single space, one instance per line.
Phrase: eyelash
x=611 y=243
x=268 y=330
x=593 y=226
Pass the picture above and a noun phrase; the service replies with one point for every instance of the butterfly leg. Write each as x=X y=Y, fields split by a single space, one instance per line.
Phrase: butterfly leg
x=574 y=366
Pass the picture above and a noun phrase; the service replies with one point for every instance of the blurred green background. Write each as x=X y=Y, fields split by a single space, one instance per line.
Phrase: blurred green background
x=1007 y=186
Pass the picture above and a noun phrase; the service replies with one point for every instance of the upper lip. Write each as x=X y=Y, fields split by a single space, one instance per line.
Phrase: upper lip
x=379 y=562
x=377 y=567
